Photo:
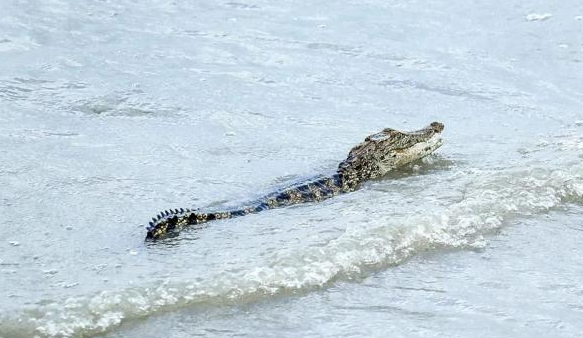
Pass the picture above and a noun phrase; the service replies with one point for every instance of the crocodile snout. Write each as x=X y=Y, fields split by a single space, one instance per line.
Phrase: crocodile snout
x=437 y=126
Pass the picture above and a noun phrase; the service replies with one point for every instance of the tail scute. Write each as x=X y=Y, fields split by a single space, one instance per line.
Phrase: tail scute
x=170 y=221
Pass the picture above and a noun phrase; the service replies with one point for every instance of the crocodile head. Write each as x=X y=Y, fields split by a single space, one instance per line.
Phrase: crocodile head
x=386 y=150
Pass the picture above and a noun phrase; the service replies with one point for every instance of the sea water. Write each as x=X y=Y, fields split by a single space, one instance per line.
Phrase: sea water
x=111 y=111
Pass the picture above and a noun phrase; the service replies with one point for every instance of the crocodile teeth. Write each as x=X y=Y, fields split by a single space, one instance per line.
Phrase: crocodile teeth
x=151 y=224
x=176 y=211
x=153 y=220
x=167 y=213
x=181 y=210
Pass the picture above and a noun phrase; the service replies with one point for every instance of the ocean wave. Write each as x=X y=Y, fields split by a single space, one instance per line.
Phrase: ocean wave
x=489 y=200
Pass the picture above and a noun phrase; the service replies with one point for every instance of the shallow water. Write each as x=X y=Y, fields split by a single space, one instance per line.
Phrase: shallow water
x=111 y=111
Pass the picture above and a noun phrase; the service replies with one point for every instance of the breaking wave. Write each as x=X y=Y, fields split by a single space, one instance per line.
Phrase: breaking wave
x=490 y=199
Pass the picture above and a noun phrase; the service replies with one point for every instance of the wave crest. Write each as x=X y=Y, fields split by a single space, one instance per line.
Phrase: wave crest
x=488 y=200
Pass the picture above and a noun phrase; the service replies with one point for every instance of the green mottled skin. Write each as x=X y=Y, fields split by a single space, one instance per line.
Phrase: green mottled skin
x=378 y=154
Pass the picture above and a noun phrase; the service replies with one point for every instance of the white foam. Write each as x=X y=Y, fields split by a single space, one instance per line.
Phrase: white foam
x=538 y=17
x=491 y=199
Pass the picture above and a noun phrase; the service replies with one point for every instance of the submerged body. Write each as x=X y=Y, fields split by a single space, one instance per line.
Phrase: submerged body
x=377 y=155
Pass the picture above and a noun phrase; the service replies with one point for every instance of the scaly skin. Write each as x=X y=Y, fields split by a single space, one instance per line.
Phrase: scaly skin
x=378 y=154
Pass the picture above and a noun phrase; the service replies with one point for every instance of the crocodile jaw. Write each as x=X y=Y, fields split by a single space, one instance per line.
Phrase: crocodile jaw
x=419 y=150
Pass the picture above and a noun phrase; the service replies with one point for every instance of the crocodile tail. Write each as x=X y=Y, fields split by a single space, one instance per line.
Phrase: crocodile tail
x=171 y=221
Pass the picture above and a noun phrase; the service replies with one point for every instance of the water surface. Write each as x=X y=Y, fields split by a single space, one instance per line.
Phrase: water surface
x=111 y=111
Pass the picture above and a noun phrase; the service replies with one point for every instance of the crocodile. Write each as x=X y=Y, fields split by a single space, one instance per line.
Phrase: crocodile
x=373 y=158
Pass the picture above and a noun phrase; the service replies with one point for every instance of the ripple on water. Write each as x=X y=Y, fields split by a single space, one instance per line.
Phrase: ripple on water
x=491 y=199
x=124 y=103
